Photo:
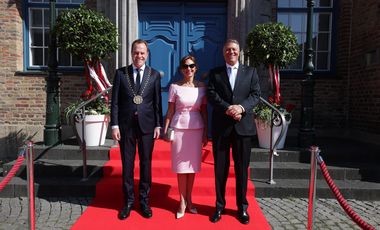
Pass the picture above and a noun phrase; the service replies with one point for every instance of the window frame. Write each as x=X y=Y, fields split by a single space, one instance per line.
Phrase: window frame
x=27 y=34
x=333 y=33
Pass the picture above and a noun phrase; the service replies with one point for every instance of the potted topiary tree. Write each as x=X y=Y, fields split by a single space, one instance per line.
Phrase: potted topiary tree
x=90 y=36
x=91 y=122
x=275 y=46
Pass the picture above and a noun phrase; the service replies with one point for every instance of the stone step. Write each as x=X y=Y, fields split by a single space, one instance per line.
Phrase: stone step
x=258 y=170
x=69 y=150
x=57 y=168
x=284 y=188
x=299 y=188
x=284 y=155
x=334 y=156
x=296 y=170
x=58 y=172
x=52 y=187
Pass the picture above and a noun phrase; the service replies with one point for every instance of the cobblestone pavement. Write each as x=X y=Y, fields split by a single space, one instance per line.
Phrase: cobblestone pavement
x=290 y=213
x=51 y=213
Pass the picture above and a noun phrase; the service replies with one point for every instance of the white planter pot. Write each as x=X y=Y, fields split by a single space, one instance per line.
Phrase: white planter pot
x=263 y=134
x=95 y=129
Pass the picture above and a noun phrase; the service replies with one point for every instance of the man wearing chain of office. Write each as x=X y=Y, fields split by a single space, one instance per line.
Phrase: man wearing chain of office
x=136 y=119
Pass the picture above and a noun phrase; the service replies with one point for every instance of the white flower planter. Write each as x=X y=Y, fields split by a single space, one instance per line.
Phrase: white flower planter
x=95 y=129
x=263 y=134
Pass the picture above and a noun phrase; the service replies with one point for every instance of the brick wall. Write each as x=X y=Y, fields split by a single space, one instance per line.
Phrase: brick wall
x=329 y=113
x=23 y=96
x=364 y=84
x=11 y=36
x=350 y=99
x=21 y=106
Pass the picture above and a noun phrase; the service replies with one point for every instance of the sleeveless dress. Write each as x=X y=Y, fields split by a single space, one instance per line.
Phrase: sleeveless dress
x=187 y=121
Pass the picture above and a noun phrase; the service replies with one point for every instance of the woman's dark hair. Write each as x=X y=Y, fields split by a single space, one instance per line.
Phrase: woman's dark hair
x=183 y=60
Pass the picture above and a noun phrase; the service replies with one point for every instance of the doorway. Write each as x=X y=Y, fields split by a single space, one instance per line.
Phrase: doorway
x=175 y=29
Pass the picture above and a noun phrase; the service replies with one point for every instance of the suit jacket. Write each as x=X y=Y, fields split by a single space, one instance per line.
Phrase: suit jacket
x=221 y=96
x=123 y=108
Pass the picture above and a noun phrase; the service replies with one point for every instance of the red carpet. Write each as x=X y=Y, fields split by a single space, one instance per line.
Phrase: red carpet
x=102 y=213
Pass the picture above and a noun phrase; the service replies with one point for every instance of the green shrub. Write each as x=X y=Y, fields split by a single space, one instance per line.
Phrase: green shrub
x=272 y=43
x=86 y=34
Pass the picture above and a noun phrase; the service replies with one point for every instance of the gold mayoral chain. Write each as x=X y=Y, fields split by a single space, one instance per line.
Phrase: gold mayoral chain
x=138 y=99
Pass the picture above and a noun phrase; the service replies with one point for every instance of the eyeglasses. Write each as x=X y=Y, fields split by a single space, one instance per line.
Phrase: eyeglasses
x=185 y=66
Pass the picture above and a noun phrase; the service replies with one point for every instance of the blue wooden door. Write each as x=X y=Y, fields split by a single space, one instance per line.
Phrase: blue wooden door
x=176 y=29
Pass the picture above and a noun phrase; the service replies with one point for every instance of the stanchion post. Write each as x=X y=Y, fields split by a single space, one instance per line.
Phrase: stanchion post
x=30 y=181
x=312 y=186
x=271 y=152
x=84 y=147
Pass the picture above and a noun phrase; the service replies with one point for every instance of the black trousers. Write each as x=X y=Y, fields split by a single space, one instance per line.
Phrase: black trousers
x=145 y=143
x=241 y=151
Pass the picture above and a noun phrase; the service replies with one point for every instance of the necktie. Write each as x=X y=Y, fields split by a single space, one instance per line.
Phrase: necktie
x=231 y=76
x=138 y=80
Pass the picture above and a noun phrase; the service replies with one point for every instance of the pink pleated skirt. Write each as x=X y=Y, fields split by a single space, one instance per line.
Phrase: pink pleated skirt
x=186 y=150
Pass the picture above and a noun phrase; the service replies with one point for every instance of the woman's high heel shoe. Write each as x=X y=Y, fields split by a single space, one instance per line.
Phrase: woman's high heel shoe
x=179 y=215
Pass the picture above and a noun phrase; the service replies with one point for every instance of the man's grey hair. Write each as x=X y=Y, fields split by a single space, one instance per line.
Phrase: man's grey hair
x=231 y=41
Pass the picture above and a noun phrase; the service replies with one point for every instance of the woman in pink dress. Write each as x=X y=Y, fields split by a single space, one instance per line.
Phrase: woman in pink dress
x=187 y=115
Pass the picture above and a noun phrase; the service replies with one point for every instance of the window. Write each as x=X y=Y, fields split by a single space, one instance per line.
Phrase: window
x=37 y=27
x=293 y=13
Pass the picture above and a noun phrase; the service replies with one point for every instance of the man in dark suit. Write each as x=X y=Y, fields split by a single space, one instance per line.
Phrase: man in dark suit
x=233 y=91
x=136 y=119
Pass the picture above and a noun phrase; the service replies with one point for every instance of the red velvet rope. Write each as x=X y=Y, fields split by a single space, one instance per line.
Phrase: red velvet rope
x=11 y=173
x=342 y=201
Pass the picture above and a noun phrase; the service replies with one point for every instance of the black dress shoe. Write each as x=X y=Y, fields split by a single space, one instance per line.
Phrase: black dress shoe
x=216 y=216
x=243 y=217
x=146 y=212
x=125 y=211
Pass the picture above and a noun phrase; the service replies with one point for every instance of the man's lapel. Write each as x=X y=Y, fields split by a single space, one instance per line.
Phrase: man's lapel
x=239 y=76
x=130 y=76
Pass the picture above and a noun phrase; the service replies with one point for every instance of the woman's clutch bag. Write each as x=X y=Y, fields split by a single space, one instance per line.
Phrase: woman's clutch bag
x=170 y=134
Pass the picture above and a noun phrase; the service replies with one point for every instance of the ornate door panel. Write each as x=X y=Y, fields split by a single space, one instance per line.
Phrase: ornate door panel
x=176 y=29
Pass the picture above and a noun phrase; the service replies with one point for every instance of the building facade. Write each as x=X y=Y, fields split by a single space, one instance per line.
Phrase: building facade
x=346 y=39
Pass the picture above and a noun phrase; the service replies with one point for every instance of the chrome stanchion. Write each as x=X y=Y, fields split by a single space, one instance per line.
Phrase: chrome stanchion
x=312 y=186
x=84 y=147
x=30 y=181
x=271 y=153
x=277 y=119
